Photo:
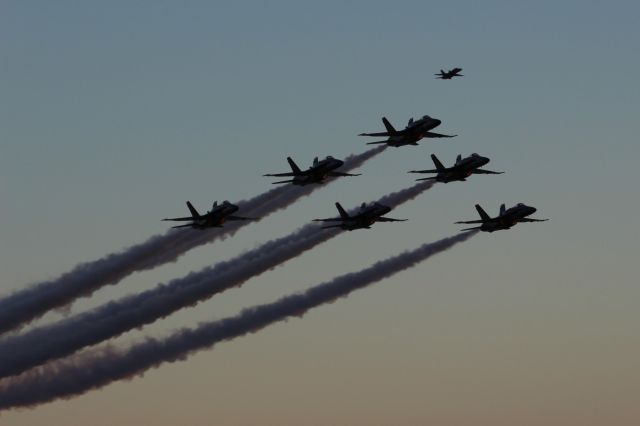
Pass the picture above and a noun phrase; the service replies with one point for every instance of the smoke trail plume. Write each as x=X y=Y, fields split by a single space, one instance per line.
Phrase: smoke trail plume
x=26 y=305
x=97 y=368
x=35 y=347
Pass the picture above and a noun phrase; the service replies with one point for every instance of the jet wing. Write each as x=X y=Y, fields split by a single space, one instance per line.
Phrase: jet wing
x=438 y=135
x=376 y=143
x=471 y=221
x=331 y=219
x=182 y=226
x=389 y=219
x=532 y=220
x=471 y=229
x=485 y=172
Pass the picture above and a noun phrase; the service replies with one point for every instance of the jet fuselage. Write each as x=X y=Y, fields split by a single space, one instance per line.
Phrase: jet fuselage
x=366 y=217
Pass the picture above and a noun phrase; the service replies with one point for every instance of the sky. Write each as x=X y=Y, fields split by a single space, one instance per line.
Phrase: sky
x=116 y=113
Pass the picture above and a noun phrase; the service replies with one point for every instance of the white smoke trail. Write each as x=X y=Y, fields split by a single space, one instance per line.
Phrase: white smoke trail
x=97 y=368
x=35 y=347
x=28 y=304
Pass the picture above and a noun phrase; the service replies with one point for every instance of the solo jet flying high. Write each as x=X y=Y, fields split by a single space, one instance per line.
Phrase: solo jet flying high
x=448 y=75
x=411 y=134
x=317 y=173
x=214 y=218
x=363 y=219
x=505 y=220
x=461 y=170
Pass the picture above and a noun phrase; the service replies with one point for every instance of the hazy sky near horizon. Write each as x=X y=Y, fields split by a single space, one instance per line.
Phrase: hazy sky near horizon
x=115 y=113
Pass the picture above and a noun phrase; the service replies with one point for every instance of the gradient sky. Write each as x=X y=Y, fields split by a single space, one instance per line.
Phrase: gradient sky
x=115 y=113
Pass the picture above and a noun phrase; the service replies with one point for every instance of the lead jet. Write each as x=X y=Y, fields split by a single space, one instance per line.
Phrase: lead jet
x=461 y=170
x=214 y=218
x=448 y=75
x=317 y=173
x=361 y=220
x=411 y=134
x=505 y=220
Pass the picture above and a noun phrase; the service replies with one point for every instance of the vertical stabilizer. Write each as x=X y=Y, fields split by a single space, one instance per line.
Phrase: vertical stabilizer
x=294 y=166
x=342 y=211
x=483 y=215
x=390 y=129
x=439 y=165
x=193 y=210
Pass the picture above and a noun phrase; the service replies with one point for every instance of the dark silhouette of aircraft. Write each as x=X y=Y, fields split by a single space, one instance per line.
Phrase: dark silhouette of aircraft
x=218 y=215
x=411 y=134
x=363 y=219
x=461 y=170
x=448 y=75
x=317 y=173
x=505 y=220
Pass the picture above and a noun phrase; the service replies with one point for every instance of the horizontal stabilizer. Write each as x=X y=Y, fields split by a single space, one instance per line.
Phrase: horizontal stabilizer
x=470 y=221
x=375 y=134
x=182 y=226
x=429 y=178
x=240 y=218
x=423 y=171
x=532 y=220
x=390 y=219
x=471 y=229
x=342 y=174
x=283 y=181
x=375 y=143
x=437 y=135
x=280 y=174
x=485 y=172
x=178 y=219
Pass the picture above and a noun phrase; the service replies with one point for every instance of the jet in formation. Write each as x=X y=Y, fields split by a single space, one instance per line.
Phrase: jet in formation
x=218 y=215
x=411 y=134
x=448 y=75
x=505 y=220
x=461 y=170
x=317 y=173
x=366 y=217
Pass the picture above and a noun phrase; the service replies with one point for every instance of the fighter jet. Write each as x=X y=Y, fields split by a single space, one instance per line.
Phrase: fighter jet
x=448 y=75
x=218 y=215
x=361 y=220
x=411 y=134
x=461 y=170
x=505 y=220
x=317 y=173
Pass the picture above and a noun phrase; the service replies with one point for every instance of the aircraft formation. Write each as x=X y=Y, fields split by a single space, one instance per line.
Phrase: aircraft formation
x=367 y=215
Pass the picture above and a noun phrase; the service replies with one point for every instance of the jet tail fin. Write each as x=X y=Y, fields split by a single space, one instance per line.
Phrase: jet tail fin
x=342 y=211
x=502 y=209
x=439 y=165
x=483 y=215
x=193 y=210
x=390 y=129
x=293 y=165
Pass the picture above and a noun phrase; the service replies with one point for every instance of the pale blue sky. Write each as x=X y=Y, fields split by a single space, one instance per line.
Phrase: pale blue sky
x=114 y=113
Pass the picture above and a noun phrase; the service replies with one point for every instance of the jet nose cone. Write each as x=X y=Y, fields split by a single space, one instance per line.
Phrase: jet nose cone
x=339 y=162
x=437 y=122
x=533 y=210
